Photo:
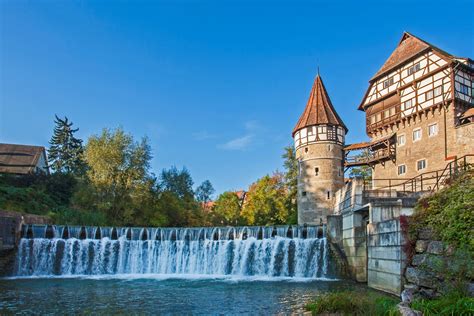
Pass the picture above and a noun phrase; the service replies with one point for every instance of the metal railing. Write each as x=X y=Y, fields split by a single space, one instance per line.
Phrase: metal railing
x=426 y=182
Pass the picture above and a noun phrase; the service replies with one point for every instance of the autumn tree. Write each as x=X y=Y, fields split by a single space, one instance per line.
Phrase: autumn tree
x=265 y=202
x=290 y=164
x=118 y=170
x=226 y=210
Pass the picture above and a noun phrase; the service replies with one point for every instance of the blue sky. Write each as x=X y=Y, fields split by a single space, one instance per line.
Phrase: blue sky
x=216 y=86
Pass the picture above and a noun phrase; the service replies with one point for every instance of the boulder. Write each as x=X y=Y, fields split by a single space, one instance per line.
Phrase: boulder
x=405 y=310
x=427 y=293
x=470 y=289
x=435 y=247
x=421 y=246
x=407 y=295
x=421 y=277
x=418 y=259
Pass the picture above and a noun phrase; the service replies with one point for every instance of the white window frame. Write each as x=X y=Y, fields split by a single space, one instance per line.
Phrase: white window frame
x=429 y=130
x=425 y=166
x=404 y=169
x=402 y=136
x=437 y=91
x=413 y=134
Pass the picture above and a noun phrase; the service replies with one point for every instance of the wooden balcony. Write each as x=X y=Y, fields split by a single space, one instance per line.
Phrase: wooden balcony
x=370 y=153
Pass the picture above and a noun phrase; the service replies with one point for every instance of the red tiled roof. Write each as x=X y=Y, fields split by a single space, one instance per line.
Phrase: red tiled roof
x=408 y=47
x=468 y=113
x=319 y=109
x=19 y=159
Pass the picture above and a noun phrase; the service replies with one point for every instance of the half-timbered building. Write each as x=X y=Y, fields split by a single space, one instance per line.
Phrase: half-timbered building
x=418 y=110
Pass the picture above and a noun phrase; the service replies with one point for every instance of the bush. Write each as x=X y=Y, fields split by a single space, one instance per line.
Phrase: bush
x=448 y=213
x=354 y=303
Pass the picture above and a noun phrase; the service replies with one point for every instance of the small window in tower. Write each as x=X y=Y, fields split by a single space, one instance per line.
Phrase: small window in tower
x=303 y=193
x=306 y=149
x=316 y=171
x=329 y=194
x=309 y=130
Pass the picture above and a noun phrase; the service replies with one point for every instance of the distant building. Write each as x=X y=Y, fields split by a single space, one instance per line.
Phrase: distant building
x=23 y=159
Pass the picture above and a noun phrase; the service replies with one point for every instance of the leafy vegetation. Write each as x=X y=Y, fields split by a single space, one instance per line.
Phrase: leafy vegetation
x=452 y=304
x=354 y=303
x=108 y=182
x=449 y=213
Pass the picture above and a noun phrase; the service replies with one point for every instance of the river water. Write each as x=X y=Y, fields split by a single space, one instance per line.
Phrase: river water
x=230 y=270
x=160 y=295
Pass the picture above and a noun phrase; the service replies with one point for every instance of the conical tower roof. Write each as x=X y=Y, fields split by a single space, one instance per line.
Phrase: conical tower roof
x=319 y=109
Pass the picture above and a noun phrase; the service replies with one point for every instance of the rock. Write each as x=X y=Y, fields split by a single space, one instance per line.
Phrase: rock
x=405 y=310
x=427 y=293
x=410 y=286
x=449 y=250
x=421 y=277
x=470 y=289
x=418 y=259
x=435 y=247
x=421 y=246
x=407 y=295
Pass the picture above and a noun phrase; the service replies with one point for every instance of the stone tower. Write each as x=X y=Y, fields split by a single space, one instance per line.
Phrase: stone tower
x=319 y=142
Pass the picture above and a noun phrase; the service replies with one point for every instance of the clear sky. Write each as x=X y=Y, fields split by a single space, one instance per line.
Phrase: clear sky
x=216 y=86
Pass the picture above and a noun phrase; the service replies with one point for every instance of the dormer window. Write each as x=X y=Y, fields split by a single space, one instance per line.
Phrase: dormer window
x=413 y=69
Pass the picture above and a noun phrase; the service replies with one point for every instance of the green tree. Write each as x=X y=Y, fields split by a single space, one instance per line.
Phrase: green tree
x=290 y=164
x=204 y=191
x=265 y=202
x=65 y=152
x=178 y=182
x=226 y=210
x=118 y=174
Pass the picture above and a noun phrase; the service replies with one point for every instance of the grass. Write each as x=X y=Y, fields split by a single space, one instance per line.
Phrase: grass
x=447 y=305
x=354 y=303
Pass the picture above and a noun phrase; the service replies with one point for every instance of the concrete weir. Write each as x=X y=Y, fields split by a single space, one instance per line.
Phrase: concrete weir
x=366 y=228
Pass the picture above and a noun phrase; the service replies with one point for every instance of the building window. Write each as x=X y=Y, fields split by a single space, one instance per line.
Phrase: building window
x=401 y=140
x=429 y=95
x=421 y=164
x=407 y=104
x=309 y=130
x=402 y=169
x=433 y=129
x=438 y=91
x=417 y=134
x=387 y=83
x=464 y=89
x=316 y=171
x=303 y=193
x=329 y=195
x=413 y=69
x=306 y=149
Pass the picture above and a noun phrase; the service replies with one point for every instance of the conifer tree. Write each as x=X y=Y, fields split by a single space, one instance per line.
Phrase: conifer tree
x=66 y=151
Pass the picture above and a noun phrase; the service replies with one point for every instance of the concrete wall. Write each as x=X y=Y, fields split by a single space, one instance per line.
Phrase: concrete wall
x=386 y=259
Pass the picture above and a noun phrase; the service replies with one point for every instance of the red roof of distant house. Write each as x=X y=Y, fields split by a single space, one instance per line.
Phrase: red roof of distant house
x=240 y=194
x=319 y=109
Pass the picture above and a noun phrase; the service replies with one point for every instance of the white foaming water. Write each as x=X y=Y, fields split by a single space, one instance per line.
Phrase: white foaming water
x=234 y=253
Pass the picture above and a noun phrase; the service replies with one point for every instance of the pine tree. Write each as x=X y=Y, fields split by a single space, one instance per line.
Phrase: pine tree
x=66 y=151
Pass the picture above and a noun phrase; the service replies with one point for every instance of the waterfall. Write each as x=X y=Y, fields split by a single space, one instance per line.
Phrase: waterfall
x=289 y=251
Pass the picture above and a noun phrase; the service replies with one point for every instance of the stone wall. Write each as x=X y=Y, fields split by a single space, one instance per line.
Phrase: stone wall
x=432 y=267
